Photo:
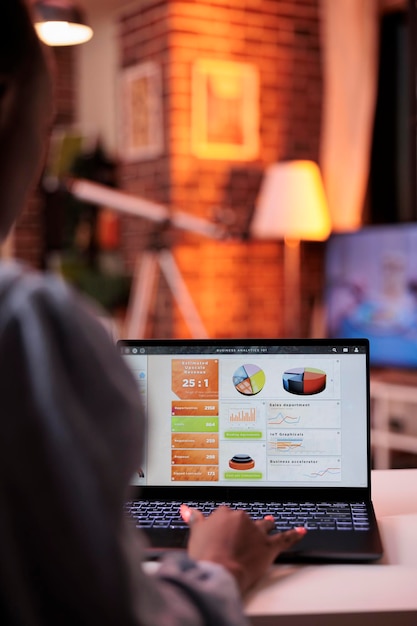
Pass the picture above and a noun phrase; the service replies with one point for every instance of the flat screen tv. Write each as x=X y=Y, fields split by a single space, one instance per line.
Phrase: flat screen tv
x=371 y=291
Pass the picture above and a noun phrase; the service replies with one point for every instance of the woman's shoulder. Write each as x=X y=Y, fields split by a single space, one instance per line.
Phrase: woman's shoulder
x=26 y=291
x=16 y=278
x=43 y=304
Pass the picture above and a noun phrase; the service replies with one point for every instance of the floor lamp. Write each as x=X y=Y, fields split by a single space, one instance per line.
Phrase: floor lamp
x=292 y=206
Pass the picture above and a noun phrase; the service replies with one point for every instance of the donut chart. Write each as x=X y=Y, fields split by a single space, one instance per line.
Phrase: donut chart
x=304 y=381
x=249 y=379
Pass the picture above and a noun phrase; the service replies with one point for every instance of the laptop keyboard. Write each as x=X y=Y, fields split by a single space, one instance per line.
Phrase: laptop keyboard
x=313 y=516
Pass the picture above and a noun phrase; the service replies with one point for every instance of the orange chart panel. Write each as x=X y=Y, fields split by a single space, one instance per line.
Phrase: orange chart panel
x=194 y=440
x=194 y=457
x=195 y=379
x=195 y=472
x=184 y=407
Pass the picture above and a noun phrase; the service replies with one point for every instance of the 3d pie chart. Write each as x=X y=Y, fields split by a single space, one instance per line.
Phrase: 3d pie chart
x=241 y=462
x=249 y=379
x=304 y=381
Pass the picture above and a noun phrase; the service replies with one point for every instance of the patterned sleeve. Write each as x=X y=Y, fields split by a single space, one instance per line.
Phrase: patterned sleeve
x=182 y=592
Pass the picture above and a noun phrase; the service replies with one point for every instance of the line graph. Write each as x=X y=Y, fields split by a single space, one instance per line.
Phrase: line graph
x=306 y=469
x=306 y=413
x=309 y=442
x=332 y=471
x=285 y=445
x=282 y=418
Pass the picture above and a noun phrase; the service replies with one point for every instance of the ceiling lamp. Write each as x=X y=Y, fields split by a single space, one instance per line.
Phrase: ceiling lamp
x=61 y=23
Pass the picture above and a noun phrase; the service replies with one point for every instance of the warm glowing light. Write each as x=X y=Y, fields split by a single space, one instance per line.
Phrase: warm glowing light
x=292 y=204
x=63 y=33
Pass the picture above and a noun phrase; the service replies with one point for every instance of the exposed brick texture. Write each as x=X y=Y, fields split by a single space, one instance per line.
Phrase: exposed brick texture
x=236 y=284
x=29 y=230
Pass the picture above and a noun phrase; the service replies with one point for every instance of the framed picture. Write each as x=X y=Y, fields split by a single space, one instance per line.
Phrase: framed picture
x=142 y=135
x=225 y=110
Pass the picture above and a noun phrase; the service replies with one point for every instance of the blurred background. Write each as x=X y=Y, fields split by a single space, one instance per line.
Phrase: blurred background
x=194 y=107
x=318 y=97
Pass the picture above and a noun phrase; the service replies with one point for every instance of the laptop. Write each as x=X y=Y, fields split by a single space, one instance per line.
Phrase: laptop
x=272 y=426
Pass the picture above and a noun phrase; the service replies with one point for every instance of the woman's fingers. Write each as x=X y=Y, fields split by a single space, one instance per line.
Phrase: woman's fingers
x=279 y=540
x=231 y=538
x=268 y=524
x=284 y=540
x=190 y=515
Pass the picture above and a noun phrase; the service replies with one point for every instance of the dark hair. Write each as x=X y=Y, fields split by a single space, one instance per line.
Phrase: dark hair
x=17 y=35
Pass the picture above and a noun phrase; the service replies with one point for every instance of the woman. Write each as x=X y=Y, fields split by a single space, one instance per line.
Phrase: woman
x=71 y=431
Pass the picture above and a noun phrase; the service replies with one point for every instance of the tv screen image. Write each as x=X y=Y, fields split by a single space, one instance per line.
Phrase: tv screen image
x=371 y=291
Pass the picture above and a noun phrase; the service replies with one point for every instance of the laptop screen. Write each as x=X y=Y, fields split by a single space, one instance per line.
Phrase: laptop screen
x=253 y=413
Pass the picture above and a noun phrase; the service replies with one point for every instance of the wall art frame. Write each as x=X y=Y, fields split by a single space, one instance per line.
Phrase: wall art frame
x=141 y=112
x=225 y=110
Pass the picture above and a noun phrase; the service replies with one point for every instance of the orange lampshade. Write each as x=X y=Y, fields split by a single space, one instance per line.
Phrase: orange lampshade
x=292 y=203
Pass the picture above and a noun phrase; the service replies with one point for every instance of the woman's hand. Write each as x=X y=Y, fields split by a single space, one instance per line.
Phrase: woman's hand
x=231 y=538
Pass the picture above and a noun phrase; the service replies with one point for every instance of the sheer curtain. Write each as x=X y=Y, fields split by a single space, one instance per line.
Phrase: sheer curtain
x=350 y=33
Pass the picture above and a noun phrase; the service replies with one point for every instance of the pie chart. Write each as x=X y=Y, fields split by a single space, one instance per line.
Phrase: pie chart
x=249 y=379
x=304 y=381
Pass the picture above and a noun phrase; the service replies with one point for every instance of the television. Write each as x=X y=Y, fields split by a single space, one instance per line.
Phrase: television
x=371 y=291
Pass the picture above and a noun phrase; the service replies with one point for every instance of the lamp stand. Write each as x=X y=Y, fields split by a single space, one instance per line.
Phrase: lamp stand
x=292 y=283
x=143 y=292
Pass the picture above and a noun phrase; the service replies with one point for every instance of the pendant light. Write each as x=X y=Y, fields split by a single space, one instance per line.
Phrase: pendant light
x=61 y=23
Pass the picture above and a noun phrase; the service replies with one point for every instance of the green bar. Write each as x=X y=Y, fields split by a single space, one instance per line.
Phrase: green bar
x=243 y=434
x=243 y=475
x=194 y=424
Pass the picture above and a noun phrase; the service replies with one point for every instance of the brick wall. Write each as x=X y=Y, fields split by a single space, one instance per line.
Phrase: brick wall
x=236 y=285
x=29 y=230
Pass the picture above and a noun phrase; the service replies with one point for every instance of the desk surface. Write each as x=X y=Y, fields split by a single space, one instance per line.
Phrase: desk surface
x=381 y=593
